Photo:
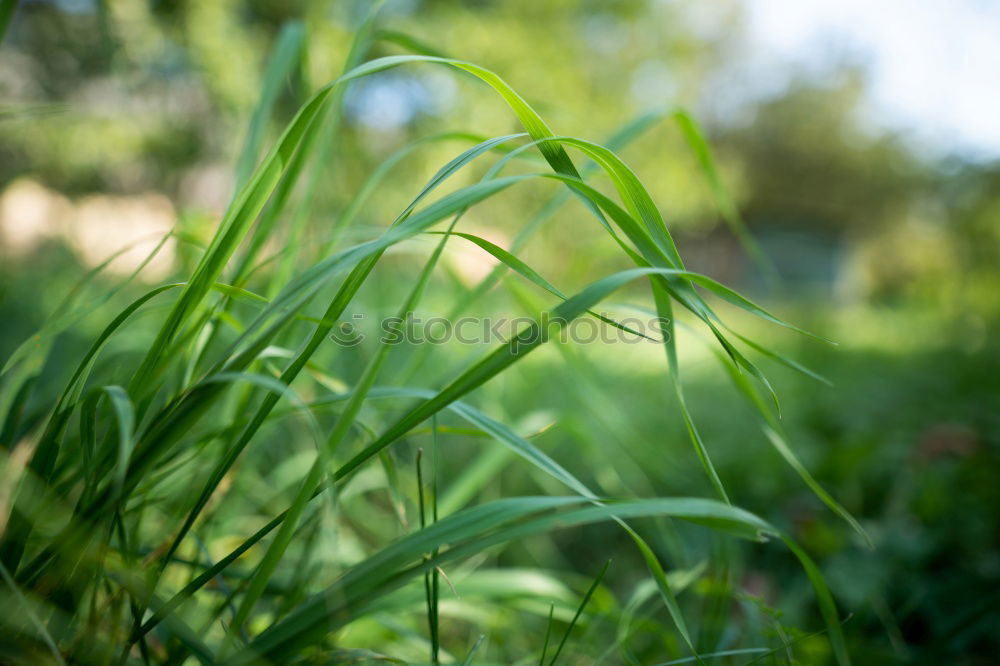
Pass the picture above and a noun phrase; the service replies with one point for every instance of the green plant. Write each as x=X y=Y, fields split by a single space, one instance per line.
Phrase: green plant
x=127 y=475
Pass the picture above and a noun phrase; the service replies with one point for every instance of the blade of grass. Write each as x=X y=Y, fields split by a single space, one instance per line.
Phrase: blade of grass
x=730 y=213
x=775 y=434
x=125 y=415
x=472 y=651
x=469 y=531
x=341 y=427
x=428 y=586
x=337 y=306
x=280 y=64
x=7 y=8
x=532 y=276
x=579 y=611
x=39 y=626
x=548 y=633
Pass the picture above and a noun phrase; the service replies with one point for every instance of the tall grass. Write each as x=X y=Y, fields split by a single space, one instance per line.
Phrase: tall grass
x=226 y=497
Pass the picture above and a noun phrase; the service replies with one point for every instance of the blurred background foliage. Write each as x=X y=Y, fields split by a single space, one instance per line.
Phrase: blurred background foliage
x=123 y=118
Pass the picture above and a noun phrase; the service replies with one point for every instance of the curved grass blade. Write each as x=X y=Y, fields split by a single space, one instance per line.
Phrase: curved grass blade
x=460 y=535
x=518 y=347
x=316 y=142
x=615 y=142
x=44 y=458
x=336 y=308
x=826 y=604
x=664 y=587
x=408 y=42
x=183 y=411
x=344 y=422
x=499 y=431
x=368 y=188
x=775 y=434
x=782 y=359
x=532 y=276
x=730 y=213
x=503 y=434
x=125 y=415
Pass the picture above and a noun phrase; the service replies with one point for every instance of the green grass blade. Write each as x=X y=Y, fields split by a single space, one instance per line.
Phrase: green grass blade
x=782 y=359
x=730 y=213
x=466 y=533
x=532 y=276
x=517 y=348
x=125 y=414
x=346 y=419
x=579 y=611
x=337 y=305
x=66 y=316
x=664 y=587
x=668 y=333
x=548 y=633
x=39 y=626
x=826 y=604
x=280 y=64
x=408 y=42
x=7 y=8
x=43 y=461
x=473 y=649
x=775 y=434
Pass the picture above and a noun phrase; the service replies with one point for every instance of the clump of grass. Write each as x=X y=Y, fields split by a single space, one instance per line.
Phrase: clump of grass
x=128 y=469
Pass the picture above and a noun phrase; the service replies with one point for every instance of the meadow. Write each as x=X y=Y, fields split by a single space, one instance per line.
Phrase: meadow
x=213 y=456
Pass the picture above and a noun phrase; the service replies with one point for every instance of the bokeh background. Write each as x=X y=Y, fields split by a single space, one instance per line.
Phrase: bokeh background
x=860 y=141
